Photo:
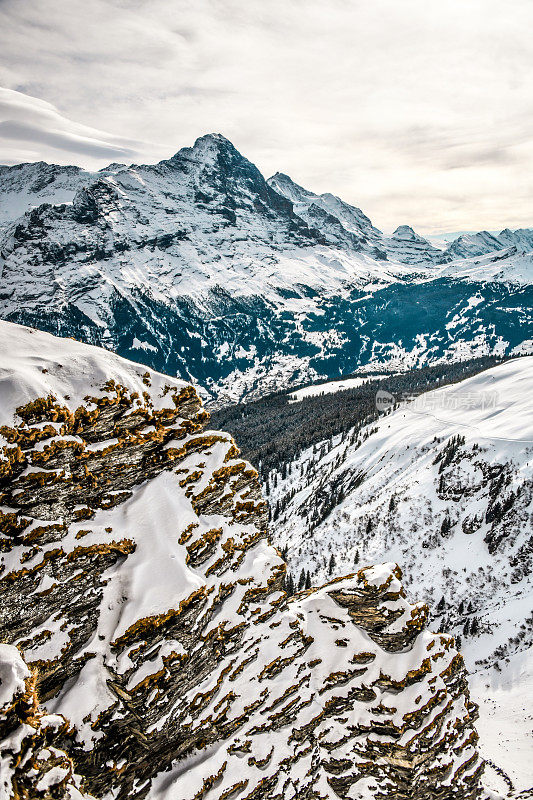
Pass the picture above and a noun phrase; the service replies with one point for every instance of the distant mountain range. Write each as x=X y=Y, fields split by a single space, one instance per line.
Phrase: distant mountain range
x=199 y=267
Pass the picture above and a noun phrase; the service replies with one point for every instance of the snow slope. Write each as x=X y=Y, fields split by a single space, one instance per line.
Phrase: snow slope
x=36 y=364
x=509 y=264
x=331 y=387
x=138 y=583
x=455 y=513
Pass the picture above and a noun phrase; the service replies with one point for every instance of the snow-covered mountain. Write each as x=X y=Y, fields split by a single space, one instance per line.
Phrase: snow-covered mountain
x=348 y=226
x=342 y=223
x=25 y=186
x=481 y=243
x=139 y=588
x=409 y=247
x=443 y=485
x=199 y=267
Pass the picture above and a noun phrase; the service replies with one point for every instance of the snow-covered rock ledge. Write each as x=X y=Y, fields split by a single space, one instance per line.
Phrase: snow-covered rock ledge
x=31 y=765
x=138 y=584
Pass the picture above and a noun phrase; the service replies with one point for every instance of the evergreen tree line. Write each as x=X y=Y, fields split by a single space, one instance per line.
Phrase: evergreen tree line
x=271 y=432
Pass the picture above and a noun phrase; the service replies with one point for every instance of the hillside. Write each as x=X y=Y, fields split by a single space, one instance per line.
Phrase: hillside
x=443 y=486
x=140 y=588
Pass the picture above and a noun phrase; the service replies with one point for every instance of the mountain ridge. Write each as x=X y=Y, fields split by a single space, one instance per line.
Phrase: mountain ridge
x=154 y=261
x=462 y=245
x=159 y=627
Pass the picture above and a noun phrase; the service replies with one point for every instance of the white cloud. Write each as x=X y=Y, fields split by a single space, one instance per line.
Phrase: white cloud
x=417 y=111
x=32 y=122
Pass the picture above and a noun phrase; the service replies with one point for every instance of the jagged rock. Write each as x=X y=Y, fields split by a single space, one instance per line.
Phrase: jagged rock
x=138 y=582
x=31 y=765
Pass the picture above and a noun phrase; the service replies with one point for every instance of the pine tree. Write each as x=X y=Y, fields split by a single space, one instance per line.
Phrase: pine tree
x=301 y=580
x=308 y=580
x=289 y=584
x=356 y=558
x=332 y=562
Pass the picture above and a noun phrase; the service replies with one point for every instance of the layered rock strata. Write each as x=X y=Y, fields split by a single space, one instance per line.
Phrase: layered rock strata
x=139 y=585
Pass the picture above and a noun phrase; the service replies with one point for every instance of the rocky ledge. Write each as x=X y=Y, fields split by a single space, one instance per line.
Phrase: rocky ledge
x=139 y=586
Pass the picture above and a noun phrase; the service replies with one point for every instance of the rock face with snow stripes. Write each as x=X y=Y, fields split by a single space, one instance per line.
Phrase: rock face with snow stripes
x=31 y=765
x=442 y=484
x=138 y=583
x=201 y=268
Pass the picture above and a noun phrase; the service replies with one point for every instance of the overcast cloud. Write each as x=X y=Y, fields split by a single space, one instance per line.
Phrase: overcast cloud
x=419 y=111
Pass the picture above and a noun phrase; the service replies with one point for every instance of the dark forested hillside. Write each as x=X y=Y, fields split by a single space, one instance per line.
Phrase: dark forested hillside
x=273 y=431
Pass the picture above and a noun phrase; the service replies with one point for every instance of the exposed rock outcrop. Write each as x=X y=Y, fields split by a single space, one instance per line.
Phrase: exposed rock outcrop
x=30 y=763
x=138 y=583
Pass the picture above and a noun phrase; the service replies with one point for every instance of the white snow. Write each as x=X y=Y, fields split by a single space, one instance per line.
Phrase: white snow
x=506 y=718
x=330 y=387
x=52 y=777
x=36 y=364
x=13 y=675
x=494 y=413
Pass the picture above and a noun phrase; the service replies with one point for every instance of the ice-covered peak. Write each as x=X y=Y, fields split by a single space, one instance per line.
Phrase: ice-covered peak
x=111 y=169
x=474 y=244
x=522 y=238
x=405 y=232
x=408 y=246
x=210 y=140
x=217 y=172
x=290 y=189
x=352 y=217
x=210 y=149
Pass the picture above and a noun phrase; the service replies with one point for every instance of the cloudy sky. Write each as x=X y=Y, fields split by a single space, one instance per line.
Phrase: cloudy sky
x=419 y=111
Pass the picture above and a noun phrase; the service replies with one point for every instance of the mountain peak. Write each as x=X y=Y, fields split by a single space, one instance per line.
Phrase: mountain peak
x=209 y=146
x=212 y=140
x=284 y=184
x=405 y=232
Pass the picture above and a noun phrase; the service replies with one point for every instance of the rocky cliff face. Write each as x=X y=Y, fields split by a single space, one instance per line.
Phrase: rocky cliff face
x=31 y=765
x=443 y=484
x=138 y=584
